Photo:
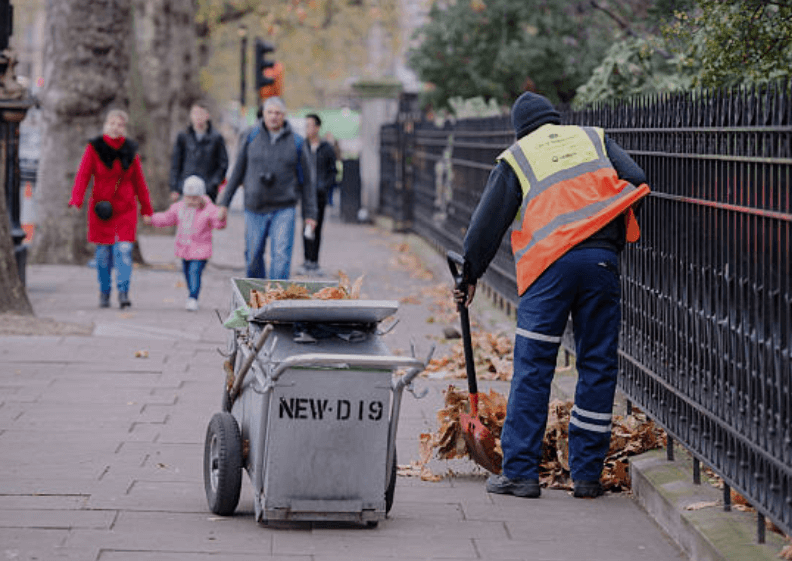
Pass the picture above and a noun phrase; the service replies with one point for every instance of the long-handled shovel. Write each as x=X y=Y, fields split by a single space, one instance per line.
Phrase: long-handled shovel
x=480 y=441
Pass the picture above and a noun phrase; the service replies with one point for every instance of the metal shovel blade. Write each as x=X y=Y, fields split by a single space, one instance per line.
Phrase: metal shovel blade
x=480 y=443
x=478 y=438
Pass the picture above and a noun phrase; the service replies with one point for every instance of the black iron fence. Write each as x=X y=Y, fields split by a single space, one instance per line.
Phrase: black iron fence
x=707 y=298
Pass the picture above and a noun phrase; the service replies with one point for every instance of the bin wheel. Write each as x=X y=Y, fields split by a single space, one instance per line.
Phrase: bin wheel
x=223 y=464
x=391 y=490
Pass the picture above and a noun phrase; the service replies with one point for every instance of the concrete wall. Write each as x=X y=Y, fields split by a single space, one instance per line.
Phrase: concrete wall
x=379 y=105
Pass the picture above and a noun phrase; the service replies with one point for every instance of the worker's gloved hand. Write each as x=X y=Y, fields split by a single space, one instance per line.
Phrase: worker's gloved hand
x=464 y=292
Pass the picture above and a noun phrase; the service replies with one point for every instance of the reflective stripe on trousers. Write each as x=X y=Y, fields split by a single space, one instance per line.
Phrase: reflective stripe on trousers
x=585 y=283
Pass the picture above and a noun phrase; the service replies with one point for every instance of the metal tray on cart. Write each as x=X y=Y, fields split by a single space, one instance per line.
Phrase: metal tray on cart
x=325 y=311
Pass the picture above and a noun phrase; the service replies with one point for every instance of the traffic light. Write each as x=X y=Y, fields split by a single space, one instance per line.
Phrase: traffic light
x=262 y=64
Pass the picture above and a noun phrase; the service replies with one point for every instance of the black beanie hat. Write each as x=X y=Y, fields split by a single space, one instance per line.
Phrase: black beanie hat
x=531 y=111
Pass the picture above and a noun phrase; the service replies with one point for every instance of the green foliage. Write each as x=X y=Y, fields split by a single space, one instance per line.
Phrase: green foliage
x=702 y=43
x=497 y=48
x=635 y=66
x=734 y=42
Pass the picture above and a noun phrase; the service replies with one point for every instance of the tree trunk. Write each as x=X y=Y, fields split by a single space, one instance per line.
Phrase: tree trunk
x=164 y=84
x=86 y=70
x=13 y=297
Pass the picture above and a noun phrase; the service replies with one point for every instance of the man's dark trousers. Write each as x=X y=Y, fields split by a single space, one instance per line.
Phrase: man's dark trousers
x=311 y=247
x=583 y=282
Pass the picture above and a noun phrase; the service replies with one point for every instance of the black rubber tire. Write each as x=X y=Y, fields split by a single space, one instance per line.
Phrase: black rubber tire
x=223 y=464
x=391 y=490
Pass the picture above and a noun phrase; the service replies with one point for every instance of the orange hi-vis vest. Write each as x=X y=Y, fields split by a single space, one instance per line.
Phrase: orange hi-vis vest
x=570 y=191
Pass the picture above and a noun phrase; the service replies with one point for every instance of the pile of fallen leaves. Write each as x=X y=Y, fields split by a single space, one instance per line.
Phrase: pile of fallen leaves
x=493 y=358
x=449 y=441
x=631 y=435
x=344 y=291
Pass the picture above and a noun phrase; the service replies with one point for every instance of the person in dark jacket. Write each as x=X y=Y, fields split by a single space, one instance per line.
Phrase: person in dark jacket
x=272 y=164
x=199 y=150
x=569 y=194
x=322 y=163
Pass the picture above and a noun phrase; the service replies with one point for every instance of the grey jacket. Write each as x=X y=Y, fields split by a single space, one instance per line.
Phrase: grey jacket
x=269 y=173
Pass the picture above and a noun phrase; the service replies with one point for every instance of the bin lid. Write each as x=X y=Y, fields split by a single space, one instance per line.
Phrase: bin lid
x=325 y=311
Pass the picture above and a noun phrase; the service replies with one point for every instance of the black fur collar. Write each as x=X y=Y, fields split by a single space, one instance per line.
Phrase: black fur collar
x=108 y=154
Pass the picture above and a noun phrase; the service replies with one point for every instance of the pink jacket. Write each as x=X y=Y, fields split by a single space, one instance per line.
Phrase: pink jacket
x=194 y=232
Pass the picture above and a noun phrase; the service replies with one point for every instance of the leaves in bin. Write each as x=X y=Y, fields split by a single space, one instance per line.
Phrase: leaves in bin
x=344 y=291
x=631 y=435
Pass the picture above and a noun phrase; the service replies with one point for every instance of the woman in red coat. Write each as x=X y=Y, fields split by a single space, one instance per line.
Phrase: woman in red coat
x=112 y=161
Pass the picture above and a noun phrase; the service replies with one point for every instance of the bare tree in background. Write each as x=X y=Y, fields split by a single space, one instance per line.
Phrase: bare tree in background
x=13 y=297
x=165 y=82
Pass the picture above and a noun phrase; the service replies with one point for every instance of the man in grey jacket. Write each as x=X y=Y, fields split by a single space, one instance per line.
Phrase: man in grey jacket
x=272 y=166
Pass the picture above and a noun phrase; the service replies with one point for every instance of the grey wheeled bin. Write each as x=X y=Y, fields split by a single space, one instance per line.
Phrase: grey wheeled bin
x=310 y=410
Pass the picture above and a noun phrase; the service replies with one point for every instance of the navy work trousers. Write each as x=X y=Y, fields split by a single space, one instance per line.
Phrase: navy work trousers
x=585 y=283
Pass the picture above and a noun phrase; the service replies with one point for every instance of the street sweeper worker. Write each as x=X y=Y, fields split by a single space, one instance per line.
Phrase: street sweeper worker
x=569 y=193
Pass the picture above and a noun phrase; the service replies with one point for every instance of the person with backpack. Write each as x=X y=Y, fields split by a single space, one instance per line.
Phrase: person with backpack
x=272 y=165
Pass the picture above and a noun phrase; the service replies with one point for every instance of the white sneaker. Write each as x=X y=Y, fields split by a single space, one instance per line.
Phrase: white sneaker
x=192 y=304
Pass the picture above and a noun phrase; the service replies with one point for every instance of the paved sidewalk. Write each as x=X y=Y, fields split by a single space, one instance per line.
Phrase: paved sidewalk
x=101 y=450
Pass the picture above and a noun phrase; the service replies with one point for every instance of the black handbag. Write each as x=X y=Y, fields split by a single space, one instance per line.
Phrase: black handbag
x=104 y=209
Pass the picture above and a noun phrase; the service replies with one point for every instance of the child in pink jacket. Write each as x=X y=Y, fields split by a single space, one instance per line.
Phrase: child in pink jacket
x=196 y=216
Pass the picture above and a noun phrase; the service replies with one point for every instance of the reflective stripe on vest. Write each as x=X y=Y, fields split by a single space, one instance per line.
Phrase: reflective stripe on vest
x=570 y=191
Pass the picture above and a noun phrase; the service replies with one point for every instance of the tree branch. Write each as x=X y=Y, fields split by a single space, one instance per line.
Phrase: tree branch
x=615 y=17
x=230 y=14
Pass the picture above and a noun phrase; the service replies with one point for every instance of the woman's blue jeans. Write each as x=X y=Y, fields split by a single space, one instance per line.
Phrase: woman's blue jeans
x=279 y=226
x=119 y=255
x=193 y=269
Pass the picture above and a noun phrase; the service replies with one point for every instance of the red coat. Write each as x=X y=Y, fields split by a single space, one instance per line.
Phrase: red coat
x=118 y=178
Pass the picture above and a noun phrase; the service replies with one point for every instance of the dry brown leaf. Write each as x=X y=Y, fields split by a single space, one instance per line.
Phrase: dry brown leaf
x=408 y=470
x=786 y=553
x=354 y=292
x=702 y=505
x=331 y=293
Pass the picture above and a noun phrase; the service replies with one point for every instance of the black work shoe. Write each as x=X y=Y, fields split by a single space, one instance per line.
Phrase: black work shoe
x=588 y=489
x=502 y=485
x=104 y=299
x=123 y=300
